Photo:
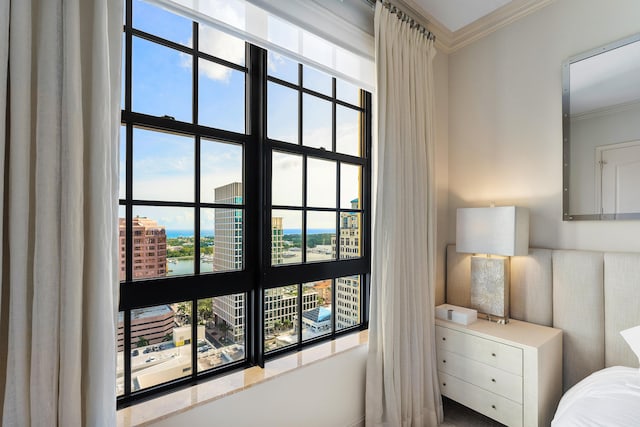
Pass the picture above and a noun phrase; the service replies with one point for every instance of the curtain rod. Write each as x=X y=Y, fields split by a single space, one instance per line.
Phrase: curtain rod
x=404 y=17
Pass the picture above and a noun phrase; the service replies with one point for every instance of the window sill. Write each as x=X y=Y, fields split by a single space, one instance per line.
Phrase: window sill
x=150 y=411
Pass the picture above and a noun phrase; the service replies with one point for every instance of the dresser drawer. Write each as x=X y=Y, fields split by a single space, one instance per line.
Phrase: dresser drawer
x=492 y=353
x=487 y=377
x=492 y=405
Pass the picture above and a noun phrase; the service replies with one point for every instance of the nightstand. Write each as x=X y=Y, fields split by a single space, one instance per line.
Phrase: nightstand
x=511 y=373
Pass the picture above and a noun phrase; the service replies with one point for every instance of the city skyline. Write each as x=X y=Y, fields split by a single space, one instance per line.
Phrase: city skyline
x=163 y=163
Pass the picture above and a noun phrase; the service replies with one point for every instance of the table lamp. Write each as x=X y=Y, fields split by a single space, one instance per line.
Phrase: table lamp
x=492 y=235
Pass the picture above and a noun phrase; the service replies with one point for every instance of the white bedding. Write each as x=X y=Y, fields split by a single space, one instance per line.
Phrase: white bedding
x=610 y=397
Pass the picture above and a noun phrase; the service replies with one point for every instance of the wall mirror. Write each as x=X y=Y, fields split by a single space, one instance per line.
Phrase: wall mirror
x=601 y=132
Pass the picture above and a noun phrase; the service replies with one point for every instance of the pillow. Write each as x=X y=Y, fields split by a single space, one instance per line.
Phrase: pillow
x=632 y=337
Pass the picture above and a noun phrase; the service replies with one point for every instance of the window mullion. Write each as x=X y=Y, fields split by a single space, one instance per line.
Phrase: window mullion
x=258 y=181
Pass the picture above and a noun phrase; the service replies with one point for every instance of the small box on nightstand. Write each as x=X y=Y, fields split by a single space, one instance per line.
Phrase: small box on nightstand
x=461 y=315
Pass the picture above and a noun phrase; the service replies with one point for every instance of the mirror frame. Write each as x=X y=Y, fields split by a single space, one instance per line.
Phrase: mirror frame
x=566 y=134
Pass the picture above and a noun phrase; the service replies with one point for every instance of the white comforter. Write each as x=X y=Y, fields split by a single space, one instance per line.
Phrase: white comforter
x=610 y=397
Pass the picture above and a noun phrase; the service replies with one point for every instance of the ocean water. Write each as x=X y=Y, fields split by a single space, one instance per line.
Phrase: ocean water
x=185 y=266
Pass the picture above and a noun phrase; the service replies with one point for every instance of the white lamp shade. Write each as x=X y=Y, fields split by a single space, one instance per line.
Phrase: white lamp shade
x=500 y=230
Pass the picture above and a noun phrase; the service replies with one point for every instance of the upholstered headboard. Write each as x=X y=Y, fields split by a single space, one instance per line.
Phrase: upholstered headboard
x=591 y=296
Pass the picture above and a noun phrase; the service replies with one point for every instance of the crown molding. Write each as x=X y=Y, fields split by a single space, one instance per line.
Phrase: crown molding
x=444 y=36
x=607 y=111
x=448 y=41
x=497 y=19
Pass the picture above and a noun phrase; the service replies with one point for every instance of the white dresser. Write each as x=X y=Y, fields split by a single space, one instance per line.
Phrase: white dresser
x=511 y=373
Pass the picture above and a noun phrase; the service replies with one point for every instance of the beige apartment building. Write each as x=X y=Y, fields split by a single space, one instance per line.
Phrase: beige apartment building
x=149 y=248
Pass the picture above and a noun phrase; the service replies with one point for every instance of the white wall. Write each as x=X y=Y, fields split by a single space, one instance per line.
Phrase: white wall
x=441 y=74
x=505 y=127
x=326 y=393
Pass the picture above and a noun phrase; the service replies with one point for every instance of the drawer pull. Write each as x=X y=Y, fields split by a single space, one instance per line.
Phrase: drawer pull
x=444 y=361
x=444 y=338
x=493 y=380
x=444 y=384
x=493 y=406
x=493 y=354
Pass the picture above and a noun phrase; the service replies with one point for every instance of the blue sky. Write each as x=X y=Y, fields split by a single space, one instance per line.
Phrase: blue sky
x=164 y=163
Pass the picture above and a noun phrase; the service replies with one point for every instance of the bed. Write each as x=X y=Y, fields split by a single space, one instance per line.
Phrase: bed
x=592 y=296
x=608 y=397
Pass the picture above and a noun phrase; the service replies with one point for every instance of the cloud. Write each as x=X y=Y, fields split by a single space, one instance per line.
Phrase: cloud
x=223 y=46
x=218 y=43
x=273 y=61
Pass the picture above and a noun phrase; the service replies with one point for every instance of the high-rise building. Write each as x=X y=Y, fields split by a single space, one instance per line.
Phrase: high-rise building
x=281 y=305
x=228 y=255
x=228 y=229
x=277 y=241
x=149 y=261
x=348 y=288
x=149 y=248
x=228 y=236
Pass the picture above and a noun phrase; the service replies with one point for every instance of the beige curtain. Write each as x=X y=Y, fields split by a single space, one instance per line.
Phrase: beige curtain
x=60 y=64
x=402 y=385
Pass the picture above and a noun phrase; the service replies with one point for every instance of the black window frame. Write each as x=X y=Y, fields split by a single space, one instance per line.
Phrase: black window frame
x=258 y=274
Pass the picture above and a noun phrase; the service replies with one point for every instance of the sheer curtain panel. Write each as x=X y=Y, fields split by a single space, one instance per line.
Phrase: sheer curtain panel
x=402 y=385
x=60 y=66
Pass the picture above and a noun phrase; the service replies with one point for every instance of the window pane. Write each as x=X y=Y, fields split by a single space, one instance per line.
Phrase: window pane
x=282 y=67
x=160 y=338
x=317 y=81
x=161 y=82
x=316 y=123
x=162 y=241
x=280 y=317
x=321 y=232
x=162 y=23
x=291 y=223
x=163 y=166
x=229 y=322
x=221 y=239
x=321 y=183
x=123 y=81
x=348 y=131
x=220 y=164
x=350 y=235
x=286 y=179
x=122 y=242
x=347 y=92
x=221 y=96
x=350 y=184
x=282 y=113
x=316 y=309
x=120 y=355
x=228 y=237
x=347 y=302
x=221 y=45
x=207 y=248
x=122 y=184
x=221 y=329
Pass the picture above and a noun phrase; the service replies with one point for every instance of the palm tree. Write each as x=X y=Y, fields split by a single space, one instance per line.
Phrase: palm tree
x=142 y=341
x=224 y=328
x=168 y=337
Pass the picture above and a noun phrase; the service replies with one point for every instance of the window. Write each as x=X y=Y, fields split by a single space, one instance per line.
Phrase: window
x=244 y=204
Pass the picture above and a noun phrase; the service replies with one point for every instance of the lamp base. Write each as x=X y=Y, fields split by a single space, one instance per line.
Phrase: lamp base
x=490 y=287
